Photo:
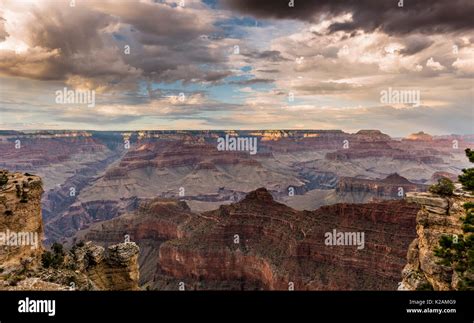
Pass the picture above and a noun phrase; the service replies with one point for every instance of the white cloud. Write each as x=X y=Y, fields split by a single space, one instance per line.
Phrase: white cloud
x=436 y=66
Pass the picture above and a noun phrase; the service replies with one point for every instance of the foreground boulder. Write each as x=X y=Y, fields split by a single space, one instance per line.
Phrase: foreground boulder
x=24 y=263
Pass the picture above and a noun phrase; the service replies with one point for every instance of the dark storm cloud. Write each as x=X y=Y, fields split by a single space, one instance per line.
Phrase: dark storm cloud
x=268 y=55
x=437 y=16
x=252 y=81
x=414 y=44
x=216 y=76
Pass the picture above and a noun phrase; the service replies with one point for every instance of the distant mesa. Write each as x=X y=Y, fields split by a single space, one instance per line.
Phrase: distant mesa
x=373 y=134
x=438 y=175
x=396 y=179
x=387 y=188
x=422 y=136
x=261 y=194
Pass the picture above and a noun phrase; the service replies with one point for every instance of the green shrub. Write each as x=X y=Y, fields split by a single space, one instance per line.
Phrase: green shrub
x=55 y=258
x=47 y=259
x=468 y=227
x=444 y=187
x=3 y=179
x=470 y=155
x=469 y=219
x=468 y=205
x=467 y=177
x=459 y=253
x=425 y=286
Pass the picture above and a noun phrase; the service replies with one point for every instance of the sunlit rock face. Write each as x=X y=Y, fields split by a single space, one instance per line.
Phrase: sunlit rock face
x=259 y=243
x=22 y=255
x=439 y=216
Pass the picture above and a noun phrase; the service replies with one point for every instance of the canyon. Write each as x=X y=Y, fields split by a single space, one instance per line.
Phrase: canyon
x=204 y=218
x=94 y=176
x=258 y=243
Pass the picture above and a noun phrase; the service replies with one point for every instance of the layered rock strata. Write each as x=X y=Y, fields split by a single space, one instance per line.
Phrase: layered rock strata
x=440 y=218
x=258 y=243
x=25 y=265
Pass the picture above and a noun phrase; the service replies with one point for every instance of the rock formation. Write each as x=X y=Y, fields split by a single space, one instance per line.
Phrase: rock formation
x=279 y=247
x=21 y=226
x=438 y=175
x=420 y=136
x=258 y=243
x=89 y=176
x=25 y=265
x=393 y=186
x=440 y=225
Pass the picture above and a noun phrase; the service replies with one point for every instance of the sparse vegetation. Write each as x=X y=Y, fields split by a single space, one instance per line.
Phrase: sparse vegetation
x=459 y=253
x=467 y=178
x=425 y=287
x=444 y=187
x=14 y=279
x=468 y=205
x=3 y=179
x=468 y=225
x=77 y=245
x=53 y=258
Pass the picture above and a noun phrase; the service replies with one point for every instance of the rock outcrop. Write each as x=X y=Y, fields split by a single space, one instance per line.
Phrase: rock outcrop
x=154 y=222
x=21 y=225
x=268 y=245
x=440 y=223
x=31 y=151
x=114 y=268
x=420 y=136
x=25 y=265
x=258 y=243
x=393 y=186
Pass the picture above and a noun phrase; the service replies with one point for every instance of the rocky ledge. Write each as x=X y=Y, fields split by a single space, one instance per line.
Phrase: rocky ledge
x=24 y=263
x=436 y=259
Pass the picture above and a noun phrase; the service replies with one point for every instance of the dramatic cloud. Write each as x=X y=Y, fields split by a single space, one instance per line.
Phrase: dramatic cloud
x=106 y=42
x=238 y=64
x=437 y=16
x=269 y=55
x=252 y=81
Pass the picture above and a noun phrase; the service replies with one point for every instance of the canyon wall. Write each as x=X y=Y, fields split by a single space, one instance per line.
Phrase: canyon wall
x=275 y=247
x=436 y=259
x=362 y=190
x=26 y=265
x=21 y=225
x=258 y=243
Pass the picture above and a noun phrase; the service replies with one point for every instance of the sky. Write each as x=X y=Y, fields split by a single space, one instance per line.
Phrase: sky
x=238 y=64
